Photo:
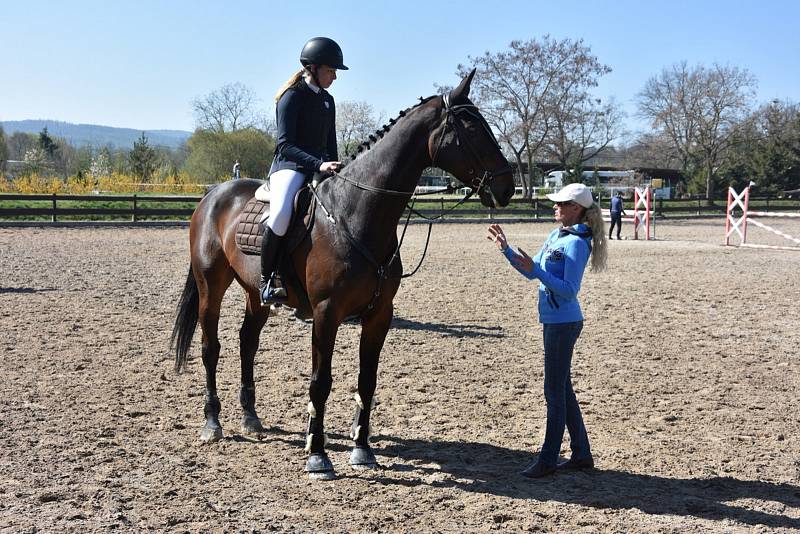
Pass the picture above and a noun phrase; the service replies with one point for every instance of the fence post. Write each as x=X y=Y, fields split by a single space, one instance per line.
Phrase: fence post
x=133 y=216
x=54 y=208
x=535 y=208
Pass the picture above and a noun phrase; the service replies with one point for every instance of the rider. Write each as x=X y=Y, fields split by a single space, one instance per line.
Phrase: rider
x=306 y=144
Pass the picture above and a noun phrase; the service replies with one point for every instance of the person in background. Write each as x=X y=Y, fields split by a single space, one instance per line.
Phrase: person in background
x=559 y=267
x=236 y=174
x=305 y=144
x=617 y=211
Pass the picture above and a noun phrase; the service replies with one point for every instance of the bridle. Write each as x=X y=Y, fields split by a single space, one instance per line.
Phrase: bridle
x=478 y=183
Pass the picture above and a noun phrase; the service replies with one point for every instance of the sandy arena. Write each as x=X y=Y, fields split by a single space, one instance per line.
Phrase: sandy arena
x=687 y=372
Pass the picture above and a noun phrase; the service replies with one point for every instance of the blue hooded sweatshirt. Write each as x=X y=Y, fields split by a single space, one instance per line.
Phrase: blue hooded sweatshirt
x=559 y=267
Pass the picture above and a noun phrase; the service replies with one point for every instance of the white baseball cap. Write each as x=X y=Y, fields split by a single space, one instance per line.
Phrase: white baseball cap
x=578 y=193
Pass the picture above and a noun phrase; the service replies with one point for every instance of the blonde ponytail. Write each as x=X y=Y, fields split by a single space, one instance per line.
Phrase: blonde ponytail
x=594 y=218
x=289 y=83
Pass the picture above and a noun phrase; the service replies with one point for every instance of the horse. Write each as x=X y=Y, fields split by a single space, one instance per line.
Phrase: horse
x=347 y=266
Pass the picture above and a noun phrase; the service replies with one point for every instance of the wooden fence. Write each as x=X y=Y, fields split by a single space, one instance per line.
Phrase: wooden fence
x=135 y=208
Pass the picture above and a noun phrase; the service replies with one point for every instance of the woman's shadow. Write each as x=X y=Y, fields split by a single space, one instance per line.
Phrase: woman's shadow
x=483 y=468
x=492 y=470
x=445 y=329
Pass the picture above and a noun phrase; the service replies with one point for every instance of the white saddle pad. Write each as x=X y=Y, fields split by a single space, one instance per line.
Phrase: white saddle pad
x=262 y=193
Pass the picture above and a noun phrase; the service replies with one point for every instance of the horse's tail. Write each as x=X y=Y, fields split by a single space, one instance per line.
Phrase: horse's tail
x=185 y=321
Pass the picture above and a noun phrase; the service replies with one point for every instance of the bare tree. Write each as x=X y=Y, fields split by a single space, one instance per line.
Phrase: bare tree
x=517 y=90
x=699 y=109
x=19 y=143
x=355 y=120
x=231 y=107
x=581 y=129
x=651 y=150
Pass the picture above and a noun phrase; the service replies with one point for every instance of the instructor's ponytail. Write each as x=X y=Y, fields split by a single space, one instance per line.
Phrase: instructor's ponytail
x=594 y=218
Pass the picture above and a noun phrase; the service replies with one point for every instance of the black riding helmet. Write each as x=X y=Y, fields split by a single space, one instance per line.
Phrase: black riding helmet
x=322 y=51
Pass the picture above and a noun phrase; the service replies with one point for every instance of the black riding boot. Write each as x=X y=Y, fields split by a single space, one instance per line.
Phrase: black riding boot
x=270 y=244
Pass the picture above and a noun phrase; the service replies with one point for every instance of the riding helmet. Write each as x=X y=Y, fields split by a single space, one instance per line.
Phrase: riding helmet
x=322 y=51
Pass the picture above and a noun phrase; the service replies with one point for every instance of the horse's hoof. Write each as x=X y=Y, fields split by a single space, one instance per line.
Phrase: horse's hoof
x=363 y=458
x=252 y=425
x=325 y=475
x=319 y=467
x=210 y=435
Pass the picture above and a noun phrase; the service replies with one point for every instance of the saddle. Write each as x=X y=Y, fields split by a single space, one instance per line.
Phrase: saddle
x=250 y=231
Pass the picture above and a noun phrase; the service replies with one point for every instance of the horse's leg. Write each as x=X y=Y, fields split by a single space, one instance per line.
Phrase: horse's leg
x=255 y=318
x=211 y=293
x=373 y=334
x=323 y=338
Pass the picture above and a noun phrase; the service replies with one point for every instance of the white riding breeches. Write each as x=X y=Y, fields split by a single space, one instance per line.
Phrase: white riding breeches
x=283 y=186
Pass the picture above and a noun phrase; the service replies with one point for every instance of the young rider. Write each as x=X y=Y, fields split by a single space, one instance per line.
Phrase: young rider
x=305 y=144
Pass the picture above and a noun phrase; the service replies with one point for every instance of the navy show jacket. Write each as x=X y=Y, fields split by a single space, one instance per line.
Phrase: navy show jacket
x=306 y=124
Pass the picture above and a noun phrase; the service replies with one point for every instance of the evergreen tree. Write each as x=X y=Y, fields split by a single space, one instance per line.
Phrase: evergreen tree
x=47 y=143
x=574 y=172
x=143 y=159
x=776 y=158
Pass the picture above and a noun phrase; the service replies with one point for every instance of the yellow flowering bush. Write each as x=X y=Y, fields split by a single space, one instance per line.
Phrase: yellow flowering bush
x=179 y=182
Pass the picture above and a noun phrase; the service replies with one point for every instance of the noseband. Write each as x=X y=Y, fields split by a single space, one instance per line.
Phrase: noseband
x=478 y=183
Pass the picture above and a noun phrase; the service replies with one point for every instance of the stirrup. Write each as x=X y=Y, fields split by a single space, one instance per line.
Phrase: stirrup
x=270 y=294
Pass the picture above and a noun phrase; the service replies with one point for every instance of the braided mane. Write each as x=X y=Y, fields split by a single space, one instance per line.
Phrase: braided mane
x=367 y=144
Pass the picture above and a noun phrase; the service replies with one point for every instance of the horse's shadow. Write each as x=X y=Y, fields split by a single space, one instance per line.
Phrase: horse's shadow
x=456 y=330
x=493 y=470
x=25 y=290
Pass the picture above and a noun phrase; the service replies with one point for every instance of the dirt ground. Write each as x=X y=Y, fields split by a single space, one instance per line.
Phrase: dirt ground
x=687 y=372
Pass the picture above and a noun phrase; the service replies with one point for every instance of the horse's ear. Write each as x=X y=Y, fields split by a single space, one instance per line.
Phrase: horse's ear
x=462 y=91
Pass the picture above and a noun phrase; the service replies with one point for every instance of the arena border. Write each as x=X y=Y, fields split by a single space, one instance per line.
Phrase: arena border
x=91 y=224
x=460 y=220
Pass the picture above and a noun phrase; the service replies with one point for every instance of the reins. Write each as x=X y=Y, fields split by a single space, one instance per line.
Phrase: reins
x=477 y=184
x=409 y=207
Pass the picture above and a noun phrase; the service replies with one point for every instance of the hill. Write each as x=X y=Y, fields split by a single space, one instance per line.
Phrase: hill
x=92 y=134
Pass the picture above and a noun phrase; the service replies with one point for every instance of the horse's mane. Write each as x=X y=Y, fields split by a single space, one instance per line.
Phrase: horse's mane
x=364 y=146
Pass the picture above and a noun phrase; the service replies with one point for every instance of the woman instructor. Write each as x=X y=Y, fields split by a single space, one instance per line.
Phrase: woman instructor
x=305 y=144
x=559 y=267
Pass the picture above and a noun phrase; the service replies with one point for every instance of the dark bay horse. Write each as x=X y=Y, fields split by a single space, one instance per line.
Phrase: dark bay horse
x=347 y=266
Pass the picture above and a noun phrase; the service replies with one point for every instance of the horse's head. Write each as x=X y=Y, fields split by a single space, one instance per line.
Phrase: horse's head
x=464 y=145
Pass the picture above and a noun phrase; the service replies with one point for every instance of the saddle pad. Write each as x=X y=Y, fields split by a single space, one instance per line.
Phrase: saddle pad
x=249 y=231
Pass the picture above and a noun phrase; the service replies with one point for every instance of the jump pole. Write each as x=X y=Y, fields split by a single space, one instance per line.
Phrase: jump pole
x=733 y=224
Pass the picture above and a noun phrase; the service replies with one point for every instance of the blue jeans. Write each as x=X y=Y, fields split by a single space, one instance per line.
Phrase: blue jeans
x=562 y=406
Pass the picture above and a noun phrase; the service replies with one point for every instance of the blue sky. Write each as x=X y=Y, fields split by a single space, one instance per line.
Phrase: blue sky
x=140 y=64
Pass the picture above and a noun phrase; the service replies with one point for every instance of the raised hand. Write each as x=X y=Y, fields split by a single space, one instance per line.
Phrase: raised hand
x=497 y=235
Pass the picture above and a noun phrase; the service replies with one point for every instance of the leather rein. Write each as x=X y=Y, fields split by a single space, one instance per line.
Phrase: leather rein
x=477 y=184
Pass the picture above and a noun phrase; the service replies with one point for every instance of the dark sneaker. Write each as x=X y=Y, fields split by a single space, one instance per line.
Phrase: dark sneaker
x=575 y=465
x=537 y=470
